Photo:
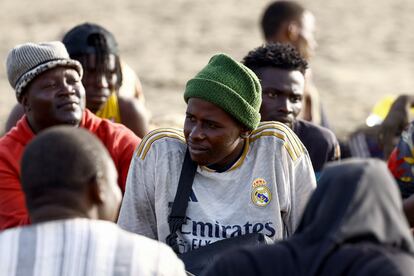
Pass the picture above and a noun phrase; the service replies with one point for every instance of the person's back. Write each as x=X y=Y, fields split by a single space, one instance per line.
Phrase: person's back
x=320 y=142
x=69 y=181
x=82 y=247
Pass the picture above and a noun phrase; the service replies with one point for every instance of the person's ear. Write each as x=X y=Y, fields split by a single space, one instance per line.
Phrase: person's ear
x=25 y=103
x=96 y=195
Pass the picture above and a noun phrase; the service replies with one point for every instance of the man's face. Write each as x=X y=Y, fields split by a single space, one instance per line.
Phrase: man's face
x=282 y=92
x=99 y=82
x=212 y=135
x=306 y=43
x=55 y=97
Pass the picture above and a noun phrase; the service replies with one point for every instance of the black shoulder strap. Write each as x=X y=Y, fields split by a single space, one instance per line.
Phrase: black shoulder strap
x=177 y=216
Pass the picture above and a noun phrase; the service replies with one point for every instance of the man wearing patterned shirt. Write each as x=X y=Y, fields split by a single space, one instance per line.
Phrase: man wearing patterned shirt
x=70 y=186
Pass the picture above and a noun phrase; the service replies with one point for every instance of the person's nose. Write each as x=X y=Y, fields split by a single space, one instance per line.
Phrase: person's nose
x=284 y=105
x=67 y=89
x=102 y=81
x=197 y=132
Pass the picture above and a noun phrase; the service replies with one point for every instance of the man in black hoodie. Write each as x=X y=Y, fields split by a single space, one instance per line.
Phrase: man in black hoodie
x=352 y=225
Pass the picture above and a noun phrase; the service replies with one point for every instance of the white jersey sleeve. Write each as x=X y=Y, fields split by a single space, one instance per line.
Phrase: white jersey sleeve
x=295 y=177
x=138 y=214
x=303 y=184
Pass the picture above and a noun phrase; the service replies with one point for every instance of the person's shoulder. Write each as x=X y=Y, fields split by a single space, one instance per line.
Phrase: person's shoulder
x=278 y=133
x=7 y=235
x=105 y=128
x=314 y=130
x=167 y=138
x=152 y=254
x=371 y=259
x=17 y=137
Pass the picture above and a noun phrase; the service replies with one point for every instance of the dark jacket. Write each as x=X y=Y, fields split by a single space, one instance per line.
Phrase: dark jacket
x=352 y=225
x=320 y=142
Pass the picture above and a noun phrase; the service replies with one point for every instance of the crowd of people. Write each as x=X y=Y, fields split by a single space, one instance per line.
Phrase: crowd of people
x=255 y=183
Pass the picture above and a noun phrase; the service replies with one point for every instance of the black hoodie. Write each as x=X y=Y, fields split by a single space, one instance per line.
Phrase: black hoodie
x=352 y=225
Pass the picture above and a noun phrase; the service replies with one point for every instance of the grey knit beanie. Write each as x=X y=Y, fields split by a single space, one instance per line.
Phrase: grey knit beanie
x=27 y=61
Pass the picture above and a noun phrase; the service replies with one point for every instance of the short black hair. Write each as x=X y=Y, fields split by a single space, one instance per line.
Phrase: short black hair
x=62 y=161
x=90 y=38
x=278 y=13
x=278 y=55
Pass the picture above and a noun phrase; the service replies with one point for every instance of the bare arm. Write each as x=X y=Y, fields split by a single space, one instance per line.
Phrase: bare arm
x=134 y=115
x=131 y=85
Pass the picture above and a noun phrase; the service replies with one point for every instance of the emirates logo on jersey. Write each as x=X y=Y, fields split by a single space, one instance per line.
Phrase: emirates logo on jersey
x=261 y=195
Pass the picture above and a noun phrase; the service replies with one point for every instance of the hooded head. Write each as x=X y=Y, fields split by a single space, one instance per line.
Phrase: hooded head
x=352 y=225
x=356 y=201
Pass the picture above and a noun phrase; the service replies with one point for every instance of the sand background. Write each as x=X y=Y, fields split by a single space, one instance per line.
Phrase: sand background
x=366 y=47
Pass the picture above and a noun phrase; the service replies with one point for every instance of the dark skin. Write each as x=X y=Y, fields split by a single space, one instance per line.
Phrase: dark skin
x=55 y=97
x=299 y=33
x=100 y=199
x=282 y=94
x=99 y=84
x=213 y=136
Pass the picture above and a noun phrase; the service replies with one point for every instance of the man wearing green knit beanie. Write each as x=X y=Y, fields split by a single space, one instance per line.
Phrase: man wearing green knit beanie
x=238 y=92
x=249 y=177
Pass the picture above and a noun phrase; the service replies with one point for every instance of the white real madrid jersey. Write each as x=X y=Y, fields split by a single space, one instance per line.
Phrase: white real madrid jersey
x=265 y=191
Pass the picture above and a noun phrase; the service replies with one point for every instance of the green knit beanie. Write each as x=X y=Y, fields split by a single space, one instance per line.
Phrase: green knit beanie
x=229 y=85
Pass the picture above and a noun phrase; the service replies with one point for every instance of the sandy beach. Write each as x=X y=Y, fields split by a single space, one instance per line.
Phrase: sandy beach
x=365 y=47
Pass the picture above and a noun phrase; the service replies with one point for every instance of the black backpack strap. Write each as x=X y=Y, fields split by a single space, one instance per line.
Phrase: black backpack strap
x=177 y=216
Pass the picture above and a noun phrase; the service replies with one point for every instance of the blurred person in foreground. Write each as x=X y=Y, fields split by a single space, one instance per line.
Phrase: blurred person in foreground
x=48 y=85
x=281 y=71
x=352 y=225
x=401 y=165
x=113 y=92
x=249 y=177
x=71 y=191
x=289 y=22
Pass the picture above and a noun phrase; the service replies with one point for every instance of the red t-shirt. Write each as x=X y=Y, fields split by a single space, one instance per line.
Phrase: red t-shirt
x=119 y=140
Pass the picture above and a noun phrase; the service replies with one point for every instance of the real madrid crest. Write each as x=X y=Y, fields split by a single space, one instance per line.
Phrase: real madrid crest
x=261 y=195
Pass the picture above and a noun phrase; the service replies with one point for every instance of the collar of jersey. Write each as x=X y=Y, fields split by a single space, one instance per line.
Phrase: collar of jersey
x=237 y=164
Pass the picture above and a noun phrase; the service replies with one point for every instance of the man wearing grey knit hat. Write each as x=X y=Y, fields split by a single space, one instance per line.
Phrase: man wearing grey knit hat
x=48 y=85
x=249 y=177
